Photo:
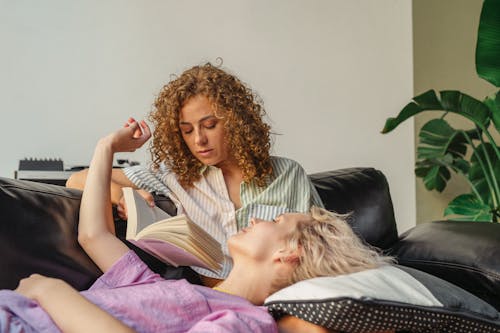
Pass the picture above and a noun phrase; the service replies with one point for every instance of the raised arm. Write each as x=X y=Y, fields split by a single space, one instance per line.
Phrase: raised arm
x=96 y=232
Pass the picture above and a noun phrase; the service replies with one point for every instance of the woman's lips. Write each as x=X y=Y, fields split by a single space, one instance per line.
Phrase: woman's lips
x=205 y=153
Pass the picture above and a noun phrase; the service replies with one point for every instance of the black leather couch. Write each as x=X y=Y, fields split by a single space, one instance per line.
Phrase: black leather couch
x=38 y=233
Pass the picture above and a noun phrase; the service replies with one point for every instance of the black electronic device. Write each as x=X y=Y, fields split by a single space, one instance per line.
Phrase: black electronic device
x=43 y=170
x=46 y=164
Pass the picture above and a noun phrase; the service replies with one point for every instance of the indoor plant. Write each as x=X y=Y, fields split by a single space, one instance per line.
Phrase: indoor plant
x=472 y=153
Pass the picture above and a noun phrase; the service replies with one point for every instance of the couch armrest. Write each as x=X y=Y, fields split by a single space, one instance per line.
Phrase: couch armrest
x=466 y=254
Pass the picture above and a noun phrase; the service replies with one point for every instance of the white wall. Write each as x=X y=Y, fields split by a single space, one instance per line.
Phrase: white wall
x=330 y=73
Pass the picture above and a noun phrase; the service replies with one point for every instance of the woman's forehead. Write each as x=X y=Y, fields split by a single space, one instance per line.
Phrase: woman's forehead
x=296 y=215
x=197 y=107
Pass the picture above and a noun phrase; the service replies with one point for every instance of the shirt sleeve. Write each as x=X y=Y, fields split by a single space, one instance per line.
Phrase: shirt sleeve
x=128 y=270
x=293 y=187
x=147 y=179
x=228 y=321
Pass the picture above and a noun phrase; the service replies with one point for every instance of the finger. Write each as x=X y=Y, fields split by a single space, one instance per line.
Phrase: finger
x=135 y=127
x=150 y=200
x=122 y=214
x=148 y=197
x=122 y=209
x=145 y=129
x=129 y=121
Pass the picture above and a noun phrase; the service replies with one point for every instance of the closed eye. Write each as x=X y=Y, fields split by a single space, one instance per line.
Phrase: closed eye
x=210 y=123
x=186 y=128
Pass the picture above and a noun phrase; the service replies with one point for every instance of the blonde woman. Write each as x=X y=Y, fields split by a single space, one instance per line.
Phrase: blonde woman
x=211 y=156
x=268 y=255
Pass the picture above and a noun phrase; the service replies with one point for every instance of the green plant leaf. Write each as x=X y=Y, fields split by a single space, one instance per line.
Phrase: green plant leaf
x=434 y=175
x=476 y=173
x=438 y=138
x=428 y=101
x=488 y=43
x=408 y=111
x=493 y=103
x=466 y=106
x=451 y=101
x=441 y=149
x=470 y=209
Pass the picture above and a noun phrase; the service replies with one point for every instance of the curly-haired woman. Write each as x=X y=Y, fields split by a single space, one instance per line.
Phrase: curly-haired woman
x=210 y=153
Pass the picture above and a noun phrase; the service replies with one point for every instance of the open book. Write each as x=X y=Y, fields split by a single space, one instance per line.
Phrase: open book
x=175 y=240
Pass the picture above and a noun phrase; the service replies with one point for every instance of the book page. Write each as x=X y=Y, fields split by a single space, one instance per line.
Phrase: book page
x=140 y=214
x=172 y=254
x=158 y=233
x=185 y=242
x=181 y=229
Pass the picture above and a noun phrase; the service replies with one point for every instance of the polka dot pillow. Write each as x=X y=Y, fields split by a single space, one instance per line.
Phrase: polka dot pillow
x=387 y=298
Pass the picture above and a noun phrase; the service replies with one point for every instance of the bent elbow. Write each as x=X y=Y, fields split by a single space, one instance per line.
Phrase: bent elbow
x=77 y=180
x=85 y=239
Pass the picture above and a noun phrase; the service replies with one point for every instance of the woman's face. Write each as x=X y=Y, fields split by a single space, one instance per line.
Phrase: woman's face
x=263 y=239
x=203 y=132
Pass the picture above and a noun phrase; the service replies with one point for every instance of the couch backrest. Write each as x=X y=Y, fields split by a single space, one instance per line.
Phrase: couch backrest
x=364 y=192
x=38 y=234
x=39 y=222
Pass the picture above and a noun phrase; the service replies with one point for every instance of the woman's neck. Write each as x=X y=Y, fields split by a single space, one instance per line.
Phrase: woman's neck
x=233 y=176
x=229 y=168
x=246 y=282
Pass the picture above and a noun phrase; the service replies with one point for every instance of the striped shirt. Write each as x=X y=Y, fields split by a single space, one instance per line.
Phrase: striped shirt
x=207 y=202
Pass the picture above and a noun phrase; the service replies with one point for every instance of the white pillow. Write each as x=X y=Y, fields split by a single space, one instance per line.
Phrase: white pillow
x=387 y=298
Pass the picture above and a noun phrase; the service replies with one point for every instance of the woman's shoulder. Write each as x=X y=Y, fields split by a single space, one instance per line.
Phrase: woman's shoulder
x=280 y=163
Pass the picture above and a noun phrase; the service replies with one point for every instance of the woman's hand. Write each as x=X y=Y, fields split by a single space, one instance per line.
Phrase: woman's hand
x=36 y=285
x=129 y=138
x=121 y=208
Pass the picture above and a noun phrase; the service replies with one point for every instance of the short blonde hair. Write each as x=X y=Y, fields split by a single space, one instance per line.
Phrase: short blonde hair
x=329 y=247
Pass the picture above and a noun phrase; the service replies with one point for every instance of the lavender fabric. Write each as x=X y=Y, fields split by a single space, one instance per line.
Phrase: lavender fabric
x=131 y=292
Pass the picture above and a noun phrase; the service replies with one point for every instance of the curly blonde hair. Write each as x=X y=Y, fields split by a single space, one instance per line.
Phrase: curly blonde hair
x=240 y=109
x=329 y=247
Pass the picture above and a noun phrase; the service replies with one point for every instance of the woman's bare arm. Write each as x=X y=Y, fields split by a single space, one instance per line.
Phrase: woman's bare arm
x=291 y=324
x=118 y=180
x=71 y=312
x=96 y=232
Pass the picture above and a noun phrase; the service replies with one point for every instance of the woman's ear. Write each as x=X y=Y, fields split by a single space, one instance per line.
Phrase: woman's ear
x=287 y=256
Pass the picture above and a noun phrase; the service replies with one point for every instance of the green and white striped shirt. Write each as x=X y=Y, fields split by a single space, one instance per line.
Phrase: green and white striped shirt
x=207 y=202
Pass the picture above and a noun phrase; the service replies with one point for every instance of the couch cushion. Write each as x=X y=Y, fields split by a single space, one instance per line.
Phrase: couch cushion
x=365 y=193
x=387 y=298
x=464 y=253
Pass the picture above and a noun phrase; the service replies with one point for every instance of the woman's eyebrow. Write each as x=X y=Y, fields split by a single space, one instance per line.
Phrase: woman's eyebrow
x=199 y=121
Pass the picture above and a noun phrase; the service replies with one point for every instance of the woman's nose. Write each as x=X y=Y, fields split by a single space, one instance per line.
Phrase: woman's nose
x=254 y=221
x=200 y=137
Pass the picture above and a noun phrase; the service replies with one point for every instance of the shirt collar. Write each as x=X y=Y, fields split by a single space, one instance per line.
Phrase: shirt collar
x=207 y=168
